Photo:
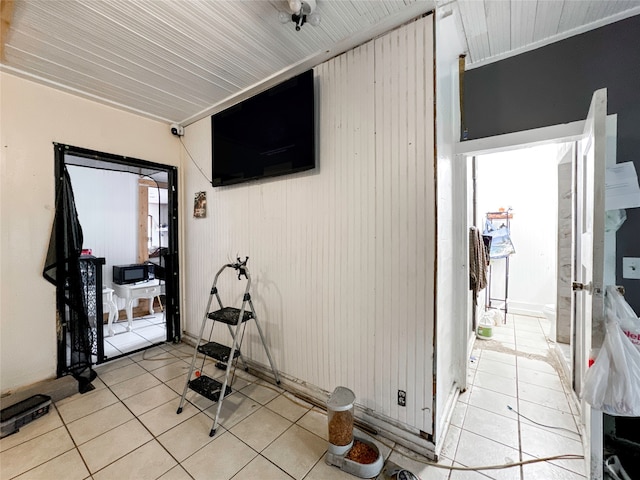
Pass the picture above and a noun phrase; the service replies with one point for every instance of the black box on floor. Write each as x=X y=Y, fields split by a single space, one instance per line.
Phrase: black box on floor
x=15 y=416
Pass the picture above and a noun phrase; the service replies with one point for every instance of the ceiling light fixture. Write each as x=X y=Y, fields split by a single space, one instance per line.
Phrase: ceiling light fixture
x=301 y=12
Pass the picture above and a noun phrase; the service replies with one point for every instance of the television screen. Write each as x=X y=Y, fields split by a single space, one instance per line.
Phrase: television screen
x=266 y=135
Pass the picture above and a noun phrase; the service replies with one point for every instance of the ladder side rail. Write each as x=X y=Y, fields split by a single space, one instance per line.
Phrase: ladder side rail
x=246 y=293
x=234 y=346
x=215 y=283
x=195 y=350
x=219 y=300
x=273 y=366
x=226 y=376
x=245 y=366
x=214 y=288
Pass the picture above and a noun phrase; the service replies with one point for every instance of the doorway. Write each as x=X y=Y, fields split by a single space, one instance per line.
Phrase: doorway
x=120 y=227
x=605 y=138
x=564 y=137
x=517 y=192
x=518 y=374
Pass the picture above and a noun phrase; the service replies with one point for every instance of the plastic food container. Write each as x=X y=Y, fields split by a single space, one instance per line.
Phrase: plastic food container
x=341 y=439
x=340 y=418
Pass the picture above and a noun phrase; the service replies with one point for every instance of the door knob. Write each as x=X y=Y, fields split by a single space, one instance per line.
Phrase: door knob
x=579 y=286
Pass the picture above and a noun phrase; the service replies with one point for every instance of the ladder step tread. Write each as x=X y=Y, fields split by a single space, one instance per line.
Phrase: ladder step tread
x=229 y=315
x=218 y=351
x=208 y=387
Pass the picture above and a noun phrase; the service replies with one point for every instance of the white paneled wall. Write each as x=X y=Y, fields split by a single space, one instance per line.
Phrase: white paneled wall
x=343 y=257
x=107 y=204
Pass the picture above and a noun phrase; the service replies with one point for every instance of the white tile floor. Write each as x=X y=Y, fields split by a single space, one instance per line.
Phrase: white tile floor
x=145 y=331
x=517 y=368
x=128 y=428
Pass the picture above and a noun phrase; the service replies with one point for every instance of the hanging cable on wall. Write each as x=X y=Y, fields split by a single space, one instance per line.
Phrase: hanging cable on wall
x=194 y=162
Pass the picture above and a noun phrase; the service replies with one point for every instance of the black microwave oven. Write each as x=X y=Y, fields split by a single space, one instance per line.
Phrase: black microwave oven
x=134 y=273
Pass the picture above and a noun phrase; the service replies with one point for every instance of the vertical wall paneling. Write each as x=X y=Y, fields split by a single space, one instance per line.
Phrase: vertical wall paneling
x=406 y=241
x=342 y=257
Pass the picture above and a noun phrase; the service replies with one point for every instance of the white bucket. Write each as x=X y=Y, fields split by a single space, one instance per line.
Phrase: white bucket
x=484 y=331
x=485 y=325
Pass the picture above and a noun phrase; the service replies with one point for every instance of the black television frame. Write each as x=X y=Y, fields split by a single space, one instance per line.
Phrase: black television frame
x=283 y=124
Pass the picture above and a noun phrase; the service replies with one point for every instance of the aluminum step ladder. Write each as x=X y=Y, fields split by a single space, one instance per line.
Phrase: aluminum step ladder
x=225 y=356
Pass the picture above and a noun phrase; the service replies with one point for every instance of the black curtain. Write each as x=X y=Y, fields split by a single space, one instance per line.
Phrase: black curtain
x=62 y=269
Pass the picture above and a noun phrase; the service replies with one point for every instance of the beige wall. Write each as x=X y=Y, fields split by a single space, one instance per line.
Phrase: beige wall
x=33 y=116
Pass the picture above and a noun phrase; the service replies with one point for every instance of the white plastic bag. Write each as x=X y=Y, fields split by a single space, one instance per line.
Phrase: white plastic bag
x=612 y=384
x=625 y=315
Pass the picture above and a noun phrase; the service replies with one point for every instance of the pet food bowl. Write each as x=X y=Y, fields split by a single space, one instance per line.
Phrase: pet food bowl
x=356 y=456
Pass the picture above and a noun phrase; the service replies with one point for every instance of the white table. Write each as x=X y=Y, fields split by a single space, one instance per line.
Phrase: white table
x=129 y=293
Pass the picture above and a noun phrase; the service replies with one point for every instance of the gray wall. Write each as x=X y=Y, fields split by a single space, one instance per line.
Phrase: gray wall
x=553 y=85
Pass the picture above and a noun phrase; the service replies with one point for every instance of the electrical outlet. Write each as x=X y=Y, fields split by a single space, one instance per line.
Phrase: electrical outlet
x=630 y=267
x=402 y=398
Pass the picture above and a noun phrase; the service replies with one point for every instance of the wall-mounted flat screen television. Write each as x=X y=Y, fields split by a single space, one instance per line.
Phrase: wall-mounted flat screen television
x=270 y=134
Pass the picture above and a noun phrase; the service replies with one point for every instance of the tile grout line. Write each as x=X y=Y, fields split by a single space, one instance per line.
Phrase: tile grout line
x=153 y=437
x=228 y=430
x=122 y=354
x=75 y=446
x=199 y=411
x=173 y=352
x=515 y=340
x=118 y=400
x=520 y=421
x=108 y=387
x=464 y=418
x=453 y=460
x=259 y=453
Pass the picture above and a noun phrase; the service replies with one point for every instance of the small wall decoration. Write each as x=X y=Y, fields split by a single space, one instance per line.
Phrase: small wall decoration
x=200 y=205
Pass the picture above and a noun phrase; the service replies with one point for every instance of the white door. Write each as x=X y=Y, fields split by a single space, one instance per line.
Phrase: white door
x=588 y=261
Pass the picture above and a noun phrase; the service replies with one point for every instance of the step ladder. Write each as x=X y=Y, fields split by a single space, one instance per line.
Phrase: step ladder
x=226 y=357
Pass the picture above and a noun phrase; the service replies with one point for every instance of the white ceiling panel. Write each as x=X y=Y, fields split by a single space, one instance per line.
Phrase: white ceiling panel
x=474 y=20
x=181 y=60
x=547 y=20
x=522 y=26
x=176 y=60
x=514 y=26
x=499 y=23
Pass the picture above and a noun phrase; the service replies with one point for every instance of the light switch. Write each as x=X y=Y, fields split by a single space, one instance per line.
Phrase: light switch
x=631 y=267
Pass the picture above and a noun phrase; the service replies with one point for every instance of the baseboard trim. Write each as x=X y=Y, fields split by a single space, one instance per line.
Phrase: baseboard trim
x=566 y=368
x=443 y=429
x=369 y=421
x=372 y=422
x=57 y=388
